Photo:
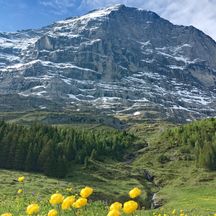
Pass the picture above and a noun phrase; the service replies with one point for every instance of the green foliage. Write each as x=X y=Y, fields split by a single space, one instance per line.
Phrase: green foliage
x=52 y=150
x=163 y=159
x=198 y=138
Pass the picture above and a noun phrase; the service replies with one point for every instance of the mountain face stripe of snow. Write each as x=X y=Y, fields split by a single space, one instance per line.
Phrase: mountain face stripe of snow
x=115 y=60
x=93 y=15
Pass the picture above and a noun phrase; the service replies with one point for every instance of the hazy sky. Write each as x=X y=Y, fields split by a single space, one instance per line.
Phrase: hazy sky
x=24 y=14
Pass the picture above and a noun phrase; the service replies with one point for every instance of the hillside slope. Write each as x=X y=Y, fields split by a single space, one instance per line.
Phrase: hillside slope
x=181 y=176
x=160 y=162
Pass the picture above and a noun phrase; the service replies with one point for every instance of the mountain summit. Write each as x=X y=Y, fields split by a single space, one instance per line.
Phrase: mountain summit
x=114 y=60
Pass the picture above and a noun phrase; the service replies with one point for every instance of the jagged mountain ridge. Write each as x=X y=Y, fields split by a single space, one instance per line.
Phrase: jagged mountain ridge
x=116 y=60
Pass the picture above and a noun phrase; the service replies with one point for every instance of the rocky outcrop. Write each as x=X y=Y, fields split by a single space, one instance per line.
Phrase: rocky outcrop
x=157 y=201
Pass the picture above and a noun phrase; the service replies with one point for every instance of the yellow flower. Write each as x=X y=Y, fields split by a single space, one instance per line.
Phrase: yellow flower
x=86 y=192
x=32 y=209
x=6 y=214
x=20 y=191
x=68 y=202
x=130 y=207
x=80 y=203
x=56 y=199
x=135 y=193
x=52 y=212
x=116 y=206
x=174 y=212
x=69 y=189
x=21 y=179
x=114 y=212
x=181 y=212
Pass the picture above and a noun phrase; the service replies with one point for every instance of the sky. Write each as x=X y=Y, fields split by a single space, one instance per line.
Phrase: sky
x=25 y=14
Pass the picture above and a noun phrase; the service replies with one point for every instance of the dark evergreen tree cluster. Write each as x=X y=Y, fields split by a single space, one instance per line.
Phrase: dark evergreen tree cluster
x=198 y=138
x=53 y=150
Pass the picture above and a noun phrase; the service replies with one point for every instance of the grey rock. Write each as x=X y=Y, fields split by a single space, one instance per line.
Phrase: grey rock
x=157 y=201
x=117 y=60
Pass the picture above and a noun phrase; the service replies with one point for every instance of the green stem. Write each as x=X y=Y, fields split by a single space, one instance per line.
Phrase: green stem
x=59 y=209
x=74 y=211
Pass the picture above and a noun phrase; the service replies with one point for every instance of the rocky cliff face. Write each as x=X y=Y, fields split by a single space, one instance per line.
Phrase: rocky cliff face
x=115 y=60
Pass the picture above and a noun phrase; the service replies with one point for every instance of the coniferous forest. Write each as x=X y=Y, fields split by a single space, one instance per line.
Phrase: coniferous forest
x=53 y=150
x=196 y=140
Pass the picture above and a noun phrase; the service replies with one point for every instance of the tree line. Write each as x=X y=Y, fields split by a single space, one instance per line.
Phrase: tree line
x=54 y=150
x=197 y=138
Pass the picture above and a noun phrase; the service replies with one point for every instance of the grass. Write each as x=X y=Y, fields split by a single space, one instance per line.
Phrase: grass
x=67 y=118
x=193 y=200
x=38 y=188
x=202 y=198
x=178 y=183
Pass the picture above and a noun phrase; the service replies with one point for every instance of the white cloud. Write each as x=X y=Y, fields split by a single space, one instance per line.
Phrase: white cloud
x=199 y=13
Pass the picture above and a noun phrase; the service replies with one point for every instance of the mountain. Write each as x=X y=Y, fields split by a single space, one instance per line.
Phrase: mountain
x=117 y=60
